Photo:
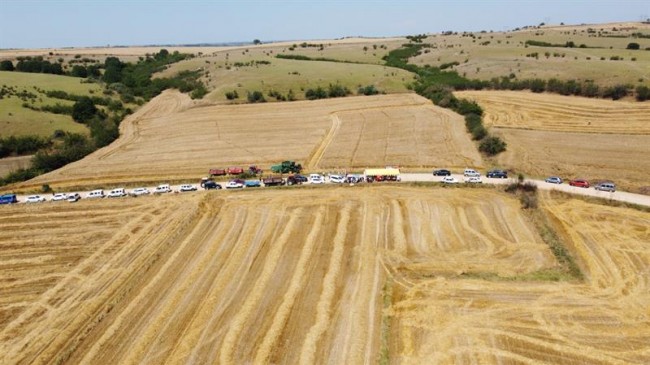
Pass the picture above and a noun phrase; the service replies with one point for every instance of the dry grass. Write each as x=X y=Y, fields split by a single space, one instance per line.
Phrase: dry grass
x=423 y=136
x=172 y=138
x=570 y=136
x=266 y=276
x=549 y=112
x=9 y=164
x=299 y=276
x=506 y=54
x=603 y=321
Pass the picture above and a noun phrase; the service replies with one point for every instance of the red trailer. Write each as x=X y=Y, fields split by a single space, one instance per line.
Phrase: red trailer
x=217 y=172
x=235 y=170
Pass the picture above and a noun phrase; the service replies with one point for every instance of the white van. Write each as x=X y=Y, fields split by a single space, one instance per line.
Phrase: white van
x=471 y=173
x=117 y=193
x=163 y=188
x=99 y=193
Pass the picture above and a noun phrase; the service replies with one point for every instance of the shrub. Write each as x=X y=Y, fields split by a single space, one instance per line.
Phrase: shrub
x=336 y=91
x=633 y=45
x=492 y=146
x=314 y=94
x=615 y=92
x=642 y=93
x=232 y=95
x=368 y=90
x=256 y=97
x=479 y=133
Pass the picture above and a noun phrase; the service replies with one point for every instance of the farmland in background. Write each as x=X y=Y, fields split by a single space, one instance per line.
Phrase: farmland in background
x=570 y=136
x=173 y=137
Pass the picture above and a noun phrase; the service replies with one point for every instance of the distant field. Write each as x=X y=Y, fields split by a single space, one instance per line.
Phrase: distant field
x=422 y=136
x=570 y=136
x=9 y=164
x=552 y=112
x=282 y=75
x=17 y=120
x=172 y=137
x=506 y=54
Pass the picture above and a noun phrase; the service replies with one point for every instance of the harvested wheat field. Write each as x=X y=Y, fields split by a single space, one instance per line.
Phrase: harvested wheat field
x=422 y=136
x=275 y=276
x=570 y=136
x=549 y=112
x=173 y=138
x=602 y=321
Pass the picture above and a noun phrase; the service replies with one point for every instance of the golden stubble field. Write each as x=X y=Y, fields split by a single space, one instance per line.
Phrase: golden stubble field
x=175 y=138
x=330 y=275
x=570 y=136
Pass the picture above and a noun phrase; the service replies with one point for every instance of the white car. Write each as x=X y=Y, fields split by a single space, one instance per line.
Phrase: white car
x=95 y=194
x=473 y=180
x=140 y=191
x=59 y=197
x=117 y=193
x=338 y=179
x=235 y=184
x=449 y=180
x=73 y=197
x=164 y=188
x=35 y=199
x=316 y=179
x=187 y=187
x=471 y=173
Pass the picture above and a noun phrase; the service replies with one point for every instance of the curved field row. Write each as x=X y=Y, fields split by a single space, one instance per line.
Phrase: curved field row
x=548 y=112
x=171 y=138
x=272 y=276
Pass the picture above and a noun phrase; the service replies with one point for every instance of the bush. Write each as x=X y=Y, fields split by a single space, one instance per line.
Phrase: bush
x=314 y=94
x=336 y=91
x=615 y=92
x=232 y=95
x=256 y=97
x=468 y=107
x=633 y=45
x=492 y=146
x=479 y=133
x=6 y=65
x=642 y=93
x=84 y=110
x=368 y=90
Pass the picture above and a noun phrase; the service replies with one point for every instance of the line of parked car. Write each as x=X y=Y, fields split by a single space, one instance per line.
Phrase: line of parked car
x=473 y=176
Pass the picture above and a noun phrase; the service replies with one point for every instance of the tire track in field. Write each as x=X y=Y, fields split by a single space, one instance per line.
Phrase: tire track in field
x=252 y=300
x=323 y=308
x=296 y=285
x=312 y=162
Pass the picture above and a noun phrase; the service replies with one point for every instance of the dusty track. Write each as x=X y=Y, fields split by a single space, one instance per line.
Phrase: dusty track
x=174 y=138
x=292 y=276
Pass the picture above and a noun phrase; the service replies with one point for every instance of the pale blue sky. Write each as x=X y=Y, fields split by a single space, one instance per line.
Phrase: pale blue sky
x=66 y=23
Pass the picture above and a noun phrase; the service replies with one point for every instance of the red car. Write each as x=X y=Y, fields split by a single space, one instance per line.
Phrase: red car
x=581 y=183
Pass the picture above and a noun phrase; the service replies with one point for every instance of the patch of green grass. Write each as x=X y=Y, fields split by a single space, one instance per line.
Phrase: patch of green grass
x=18 y=121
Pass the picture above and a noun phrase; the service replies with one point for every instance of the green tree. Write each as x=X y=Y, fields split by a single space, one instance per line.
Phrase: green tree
x=633 y=45
x=79 y=71
x=642 y=93
x=84 y=110
x=257 y=41
x=6 y=65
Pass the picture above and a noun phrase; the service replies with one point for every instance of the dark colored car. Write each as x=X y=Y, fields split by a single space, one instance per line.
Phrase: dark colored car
x=581 y=183
x=211 y=185
x=497 y=174
x=441 y=172
x=300 y=178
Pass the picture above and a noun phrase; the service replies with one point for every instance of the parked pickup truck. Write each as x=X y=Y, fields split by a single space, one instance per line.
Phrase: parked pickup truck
x=273 y=181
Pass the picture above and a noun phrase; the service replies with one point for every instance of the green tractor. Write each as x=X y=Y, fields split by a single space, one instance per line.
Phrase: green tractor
x=287 y=167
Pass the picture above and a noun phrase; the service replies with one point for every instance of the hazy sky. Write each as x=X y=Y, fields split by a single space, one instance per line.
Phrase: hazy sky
x=61 y=23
